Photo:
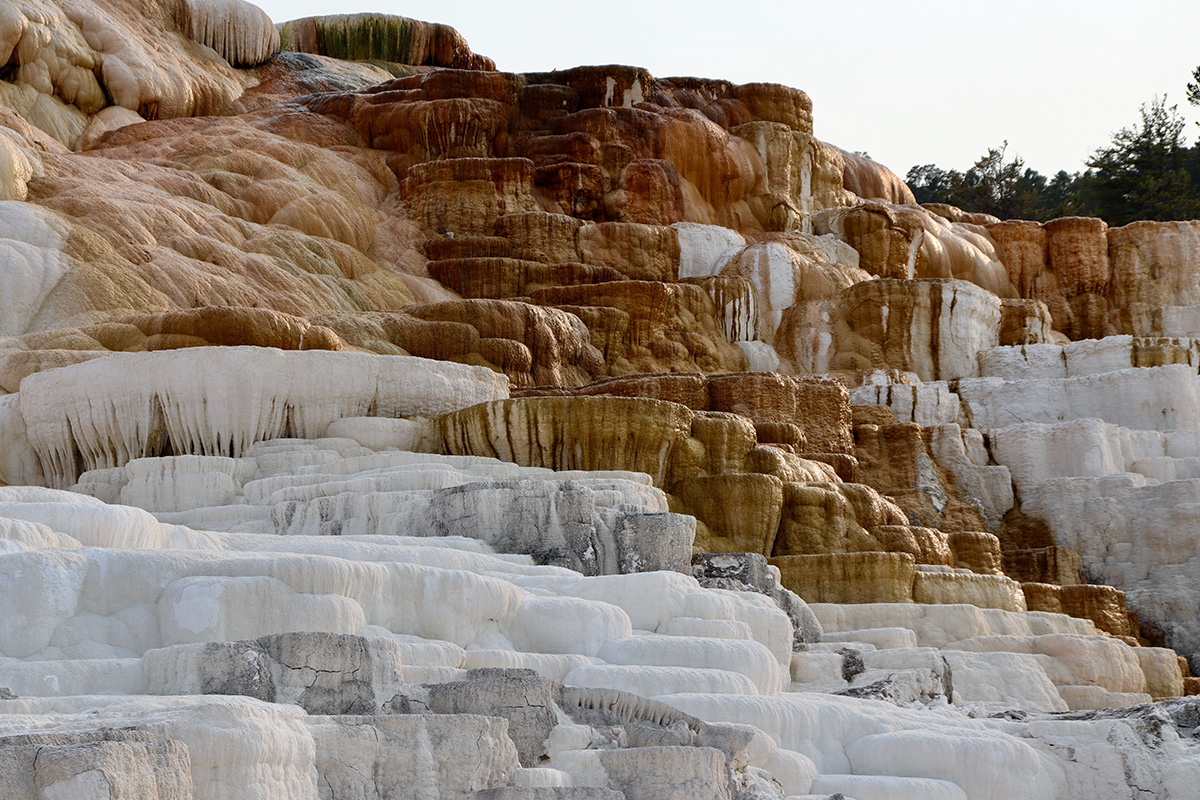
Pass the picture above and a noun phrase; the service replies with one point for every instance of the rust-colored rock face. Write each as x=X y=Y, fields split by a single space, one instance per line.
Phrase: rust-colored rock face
x=1024 y=322
x=850 y=577
x=740 y=511
x=1104 y=605
x=908 y=241
x=976 y=551
x=1155 y=268
x=886 y=239
x=1077 y=251
x=1021 y=245
x=925 y=545
x=1094 y=282
x=888 y=455
x=365 y=198
x=645 y=326
x=466 y=196
x=601 y=143
x=1049 y=565
x=934 y=328
x=595 y=433
x=688 y=389
x=811 y=411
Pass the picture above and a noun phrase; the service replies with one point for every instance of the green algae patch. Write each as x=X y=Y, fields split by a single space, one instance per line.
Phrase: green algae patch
x=358 y=37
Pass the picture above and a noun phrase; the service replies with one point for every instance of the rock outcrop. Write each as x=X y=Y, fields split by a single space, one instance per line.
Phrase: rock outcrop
x=374 y=423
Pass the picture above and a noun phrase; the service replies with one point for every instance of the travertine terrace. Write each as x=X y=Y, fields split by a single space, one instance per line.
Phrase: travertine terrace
x=375 y=423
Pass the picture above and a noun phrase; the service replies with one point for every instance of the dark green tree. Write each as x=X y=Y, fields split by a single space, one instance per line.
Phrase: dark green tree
x=1146 y=172
x=1065 y=195
x=1193 y=89
x=929 y=183
x=993 y=185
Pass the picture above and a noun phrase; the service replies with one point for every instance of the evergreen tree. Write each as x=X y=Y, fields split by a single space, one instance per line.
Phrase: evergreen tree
x=1146 y=172
x=1006 y=189
x=1143 y=173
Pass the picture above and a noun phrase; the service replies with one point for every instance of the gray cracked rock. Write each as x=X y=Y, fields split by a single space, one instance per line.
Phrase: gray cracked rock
x=119 y=763
x=750 y=572
x=521 y=696
x=450 y=756
x=323 y=673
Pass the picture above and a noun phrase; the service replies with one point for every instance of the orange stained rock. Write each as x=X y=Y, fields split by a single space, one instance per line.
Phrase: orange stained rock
x=237 y=326
x=984 y=591
x=954 y=214
x=17 y=365
x=649 y=191
x=466 y=196
x=166 y=216
x=935 y=328
x=566 y=433
x=790 y=467
x=1104 y=605
x=1042 y=597
x=791 y=410
x=1053 y=565
x=1022 y=246
x=724 y=441
x=772 y=102
x=1078 y=253
x=888 y=455
x=154 y=59
x=897 y=459
x=849 y=577
x=607 y=143
x=607 y=86
x=977 y=551
x=832 y=518
x=872 y=415
x=740 y=510
x=1154 y=265
x=821 y=407
x=688 y=389
x=886 y=237
x=442 y=248
x=792 y=275
x=640 y=252
x=1024 y=322
x=645 y=326
x=539 y=236
x=926 y=545
x=502 y=278
x=531 y=345
x=777 y=432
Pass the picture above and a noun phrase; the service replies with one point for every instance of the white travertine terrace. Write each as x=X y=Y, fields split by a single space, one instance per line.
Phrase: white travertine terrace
x=150 y=400
x=434 y=607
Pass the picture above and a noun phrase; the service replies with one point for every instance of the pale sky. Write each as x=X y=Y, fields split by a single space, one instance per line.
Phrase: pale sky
x=908 y=82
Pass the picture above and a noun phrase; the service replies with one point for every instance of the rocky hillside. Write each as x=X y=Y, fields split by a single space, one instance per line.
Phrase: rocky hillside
x=377 y=424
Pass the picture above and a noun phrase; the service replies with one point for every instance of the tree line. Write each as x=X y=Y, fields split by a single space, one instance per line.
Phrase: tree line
x=1146 y=172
